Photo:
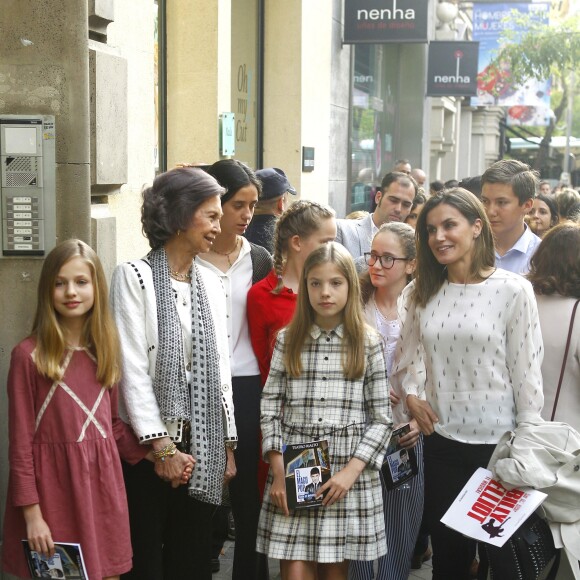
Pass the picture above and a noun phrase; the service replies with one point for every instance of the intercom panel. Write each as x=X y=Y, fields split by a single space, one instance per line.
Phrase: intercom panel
x=27 y=185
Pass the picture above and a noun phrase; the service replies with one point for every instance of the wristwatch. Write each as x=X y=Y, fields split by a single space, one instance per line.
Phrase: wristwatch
x=231 y=445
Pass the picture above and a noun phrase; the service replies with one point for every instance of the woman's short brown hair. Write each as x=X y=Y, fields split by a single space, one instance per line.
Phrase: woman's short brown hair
x=171 y=202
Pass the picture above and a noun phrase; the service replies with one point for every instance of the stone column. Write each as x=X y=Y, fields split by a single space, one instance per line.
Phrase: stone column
x=485 y=138
x=340 y=88
x=297 y=92
x=43 y=70
x=465 y=131
x=413 y=116
x=443 y=139
x=198 y=78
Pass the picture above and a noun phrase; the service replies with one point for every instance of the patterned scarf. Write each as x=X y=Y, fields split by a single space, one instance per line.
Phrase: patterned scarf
x=202 y=402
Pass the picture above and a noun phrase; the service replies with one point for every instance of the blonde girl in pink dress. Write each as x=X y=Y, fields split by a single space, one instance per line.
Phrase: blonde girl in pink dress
x=66 y=483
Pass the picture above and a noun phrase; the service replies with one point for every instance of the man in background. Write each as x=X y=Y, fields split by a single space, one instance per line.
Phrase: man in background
x=271 y=205
x=403 y=166
x=394 y=201
x=419 y=176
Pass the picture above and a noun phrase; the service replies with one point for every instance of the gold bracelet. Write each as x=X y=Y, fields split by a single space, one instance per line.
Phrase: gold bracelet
x=168 y=451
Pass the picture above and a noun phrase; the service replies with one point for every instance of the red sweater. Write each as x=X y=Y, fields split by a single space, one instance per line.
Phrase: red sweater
x=267 y=314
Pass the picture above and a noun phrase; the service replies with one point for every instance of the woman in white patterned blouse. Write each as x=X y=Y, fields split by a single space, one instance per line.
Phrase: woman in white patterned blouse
x=474 y=331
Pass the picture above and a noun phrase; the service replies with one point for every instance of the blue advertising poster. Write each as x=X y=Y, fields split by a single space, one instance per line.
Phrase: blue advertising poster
x=493 y=83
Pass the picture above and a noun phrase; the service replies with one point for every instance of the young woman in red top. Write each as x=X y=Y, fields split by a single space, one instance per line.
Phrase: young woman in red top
x=302 y=228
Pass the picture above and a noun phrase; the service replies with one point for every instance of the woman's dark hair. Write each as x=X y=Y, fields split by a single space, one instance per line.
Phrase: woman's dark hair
x=574 y=212
x=451 y=184
x=555 y=266
x=472 y=184
x=419 y=199
x=233 y=175
x=171 y=202
x=430 y=274
x=436 y=186
x=552 y=206
x=566 y=200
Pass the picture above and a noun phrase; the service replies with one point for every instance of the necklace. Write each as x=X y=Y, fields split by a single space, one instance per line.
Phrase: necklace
x=179 y=276
x=186 y=342
x=182 y=295
x=386 y=317
x=227 y=254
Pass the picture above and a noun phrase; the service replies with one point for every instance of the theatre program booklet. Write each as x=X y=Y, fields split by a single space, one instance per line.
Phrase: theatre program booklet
x=67 y=562
x=486 y=511
x=307 y=468
x=400 y=464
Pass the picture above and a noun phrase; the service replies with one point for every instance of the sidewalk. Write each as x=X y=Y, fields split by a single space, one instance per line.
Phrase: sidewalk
x=226 y=561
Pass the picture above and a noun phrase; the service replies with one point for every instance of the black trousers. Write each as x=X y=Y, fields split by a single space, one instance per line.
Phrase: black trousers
x=219 y=530
x=170 y=531
x=448 y=466
x=244 y=491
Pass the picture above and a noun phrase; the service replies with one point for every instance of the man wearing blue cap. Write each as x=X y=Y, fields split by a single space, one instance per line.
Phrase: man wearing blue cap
x=272 y=203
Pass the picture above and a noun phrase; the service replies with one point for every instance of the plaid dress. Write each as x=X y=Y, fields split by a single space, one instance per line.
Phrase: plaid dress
x=355 y=417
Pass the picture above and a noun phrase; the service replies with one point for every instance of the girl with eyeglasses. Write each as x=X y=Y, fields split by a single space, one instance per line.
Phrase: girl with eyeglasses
x=391 y=264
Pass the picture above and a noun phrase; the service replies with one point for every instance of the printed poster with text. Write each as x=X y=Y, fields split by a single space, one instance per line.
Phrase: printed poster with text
x=529 y=103
x=488 y=512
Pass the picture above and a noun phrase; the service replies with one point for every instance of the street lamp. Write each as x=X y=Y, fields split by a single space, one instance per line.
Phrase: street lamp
x=446 y=12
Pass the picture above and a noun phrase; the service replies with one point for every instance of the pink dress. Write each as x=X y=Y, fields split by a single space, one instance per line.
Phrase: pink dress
x=63 y=454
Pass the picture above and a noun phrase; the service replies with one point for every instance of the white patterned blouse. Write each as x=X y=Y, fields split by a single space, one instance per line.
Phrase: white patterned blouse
x=482 y=354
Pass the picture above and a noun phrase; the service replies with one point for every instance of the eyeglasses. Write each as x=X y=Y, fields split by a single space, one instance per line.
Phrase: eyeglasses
x=387 y=262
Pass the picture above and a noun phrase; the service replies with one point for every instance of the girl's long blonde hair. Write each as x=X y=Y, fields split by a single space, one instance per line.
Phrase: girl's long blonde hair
x=354 y=338
x=99 y=332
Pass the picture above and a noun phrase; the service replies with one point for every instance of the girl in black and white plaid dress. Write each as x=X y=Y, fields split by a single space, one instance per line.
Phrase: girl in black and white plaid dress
x=327 y=381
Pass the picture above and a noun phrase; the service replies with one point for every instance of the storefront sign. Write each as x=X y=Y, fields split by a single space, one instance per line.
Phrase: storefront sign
x=227 y=134
x=452 y=70
x=307 y=159
x=380 y=21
